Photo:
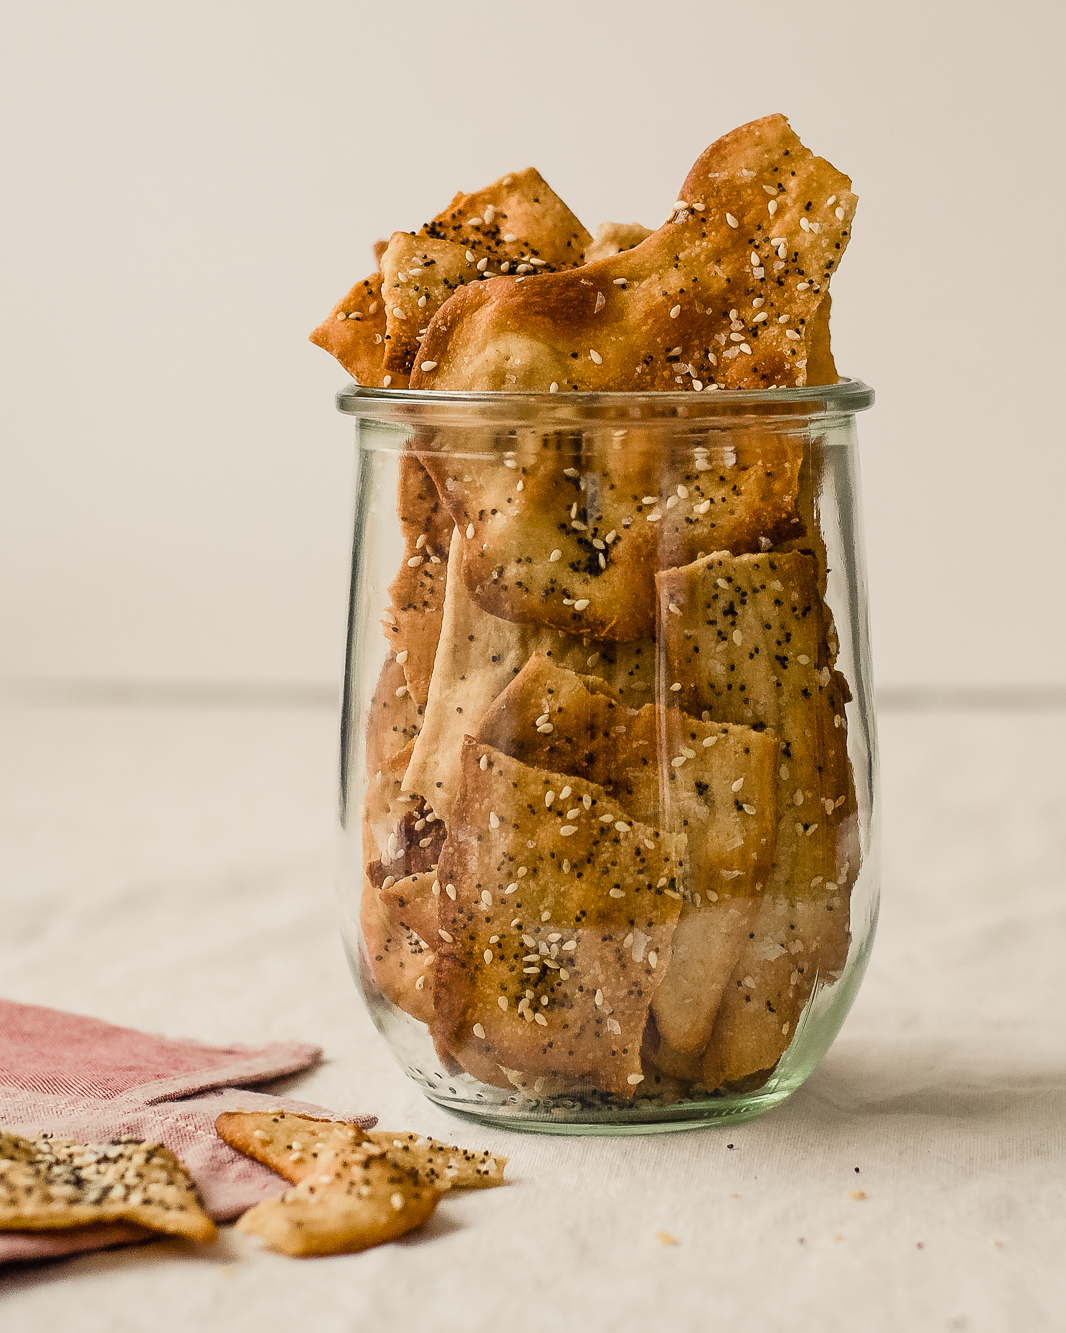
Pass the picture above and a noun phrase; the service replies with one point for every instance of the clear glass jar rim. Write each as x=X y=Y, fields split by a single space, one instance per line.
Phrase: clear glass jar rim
x=425 y=407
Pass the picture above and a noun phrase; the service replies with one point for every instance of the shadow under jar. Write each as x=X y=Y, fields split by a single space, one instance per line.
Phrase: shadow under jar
x=608 y=762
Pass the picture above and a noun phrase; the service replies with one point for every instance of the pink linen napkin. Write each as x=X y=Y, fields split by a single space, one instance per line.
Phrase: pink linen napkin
x=85 y=1079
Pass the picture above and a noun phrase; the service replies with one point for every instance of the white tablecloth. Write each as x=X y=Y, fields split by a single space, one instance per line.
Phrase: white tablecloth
x=172 y=870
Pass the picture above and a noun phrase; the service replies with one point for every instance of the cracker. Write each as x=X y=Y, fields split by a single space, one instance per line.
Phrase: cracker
x=518 y=224
x=416 y=594
x=49 y=1184
x=549 y=948
x=791 y=942
x=569 y=531
x=442 y=1165
x=354 y=332
x=747 y=643
x=613 y=237
x=716 y=783
x=477 y=657
x=398 y=955
x=294 y=1145
x=393 y=721
x=692 y=283
x=356 y=1199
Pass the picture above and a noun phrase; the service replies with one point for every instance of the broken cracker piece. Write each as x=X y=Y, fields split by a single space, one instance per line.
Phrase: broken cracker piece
x=442 y=1165
x=49 y=1184
x=734 y=277
x=355 y=1199
x=354 y=333
x=548 y=952
x=518 y=224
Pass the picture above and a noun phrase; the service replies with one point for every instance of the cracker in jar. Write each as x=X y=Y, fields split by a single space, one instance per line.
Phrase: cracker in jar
x=392 y=723
x=518 y=224
x=736 y=278
x=398 y=921
x=357 y=1198
x=712 y=781
x=744 y=639
x=568 y=531
x=555 y=911
x=790 y=944
x=416 y=595
x=477 y=657
x=50 y=1184
x=354 y=333
x=748 y=643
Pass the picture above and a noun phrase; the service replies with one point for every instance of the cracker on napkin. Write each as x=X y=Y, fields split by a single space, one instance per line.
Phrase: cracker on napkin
x=293 y=1146
x=49 y=1184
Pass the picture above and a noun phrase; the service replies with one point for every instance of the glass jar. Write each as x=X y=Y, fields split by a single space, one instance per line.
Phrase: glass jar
x=608 y=763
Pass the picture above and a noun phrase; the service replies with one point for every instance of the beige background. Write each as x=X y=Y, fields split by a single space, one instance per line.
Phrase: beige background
x=187 y=189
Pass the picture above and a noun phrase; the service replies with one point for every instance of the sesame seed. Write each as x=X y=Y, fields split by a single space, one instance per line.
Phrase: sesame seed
x=804 y=224
x=546 y=729
x=597 y=359
x=839 y=213
x=738 y=638
x=541 y=1020
x=428 y=365
x=763 y=314
x=675 y=311
x=509 y=237
x=634 y=1079
x=470 y=529
x=484 y=763
x=791 y=333
x=771 y=207
x=802 y=286
x=620 y=282
x=396 y=1200
x=386 y=381
x=401 y=691
x=653 y=959
x=697 y=386
x=754 y=259
x=502 y=1002
x=449 y=889
x=567 y=830
x=479 y=1031
x=414 y=562
x=541 y=720
x=675 y=686
x=622 y=827
x=444 y=934
x=582 y=602
x=749 y=809
x=482 y=265
x=422 y=301
x=571 y=472
x=488 y=955
x=731 y=220
x=494 y=821
x=745 y=349
x=678 y=761
x=553 y=387
x=736 y=337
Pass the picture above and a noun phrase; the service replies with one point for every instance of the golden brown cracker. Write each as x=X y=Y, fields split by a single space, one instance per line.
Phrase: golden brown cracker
x=398 y=961
x=392 y=723
x=788 y=946
x=747 y=643
x=354 y=333
x=556 y=908
x=518 y=224
x=356 y=1199
x=50 y=1184
x=477 y=657
x=416 y=594
x=292 y=1145
x=569 y=531
x=735 y=277
x=442 y=1165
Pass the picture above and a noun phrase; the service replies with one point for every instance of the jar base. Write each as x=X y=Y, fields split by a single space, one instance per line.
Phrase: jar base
x=614 y=1118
